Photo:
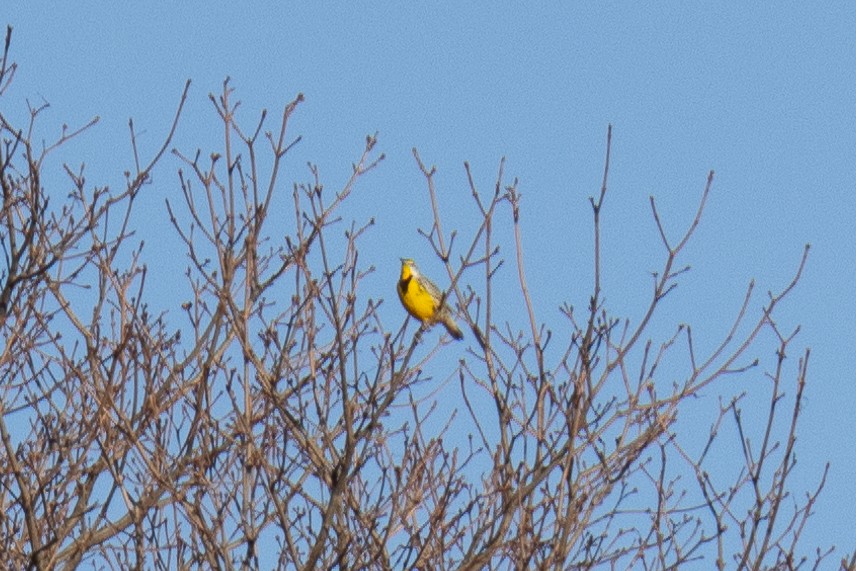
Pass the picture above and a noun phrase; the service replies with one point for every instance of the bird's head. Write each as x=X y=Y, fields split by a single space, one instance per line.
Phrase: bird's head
x=408 y=267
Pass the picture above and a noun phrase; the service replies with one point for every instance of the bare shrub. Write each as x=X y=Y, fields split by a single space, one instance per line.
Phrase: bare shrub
x=272 y=418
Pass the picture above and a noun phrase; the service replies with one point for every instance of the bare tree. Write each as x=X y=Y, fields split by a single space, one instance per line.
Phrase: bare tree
x=269 y=416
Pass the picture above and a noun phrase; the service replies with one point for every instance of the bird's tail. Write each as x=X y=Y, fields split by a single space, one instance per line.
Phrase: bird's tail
x=452 y=327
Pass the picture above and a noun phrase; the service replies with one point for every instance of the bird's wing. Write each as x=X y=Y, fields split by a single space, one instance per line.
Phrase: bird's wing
x=430 y=287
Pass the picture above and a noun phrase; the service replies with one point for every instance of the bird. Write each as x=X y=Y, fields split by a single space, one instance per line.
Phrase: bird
x=422 y=299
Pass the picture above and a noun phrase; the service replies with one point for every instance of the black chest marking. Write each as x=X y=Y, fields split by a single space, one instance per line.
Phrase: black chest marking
x=403 y=284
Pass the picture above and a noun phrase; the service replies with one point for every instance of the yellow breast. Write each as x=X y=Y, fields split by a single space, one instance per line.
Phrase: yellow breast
x=416 y=299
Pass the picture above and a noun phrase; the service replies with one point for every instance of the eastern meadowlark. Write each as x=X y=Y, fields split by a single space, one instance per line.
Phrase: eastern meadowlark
x=421 y=298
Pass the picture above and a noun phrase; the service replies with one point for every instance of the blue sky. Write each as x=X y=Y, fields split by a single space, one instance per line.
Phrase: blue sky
x=763 y=94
